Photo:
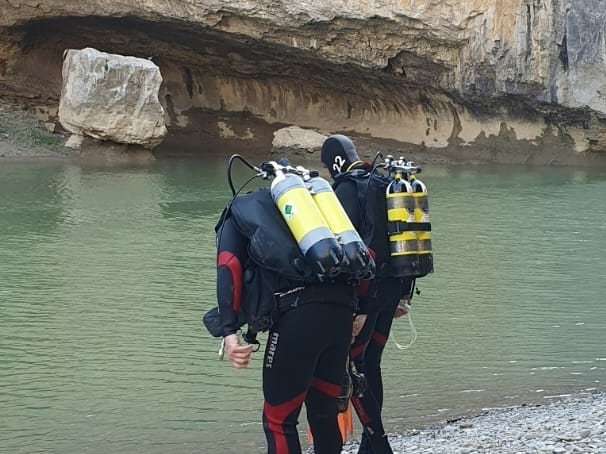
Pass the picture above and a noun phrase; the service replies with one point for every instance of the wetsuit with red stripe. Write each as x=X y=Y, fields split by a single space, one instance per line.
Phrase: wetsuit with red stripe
x=306 y=349
x=304 y=360
x=367 y=352
x=231 y=255
x=367 y=349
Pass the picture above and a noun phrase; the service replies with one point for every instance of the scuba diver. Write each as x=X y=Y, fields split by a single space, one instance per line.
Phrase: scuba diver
x=363 y=191
x=281 y=269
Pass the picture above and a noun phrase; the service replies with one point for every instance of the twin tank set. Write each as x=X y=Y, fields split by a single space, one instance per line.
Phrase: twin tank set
x=408 y=224
x=325 y=235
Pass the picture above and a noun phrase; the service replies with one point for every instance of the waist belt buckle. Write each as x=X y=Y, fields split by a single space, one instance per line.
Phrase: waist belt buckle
x=288 y=292
x=281 y=295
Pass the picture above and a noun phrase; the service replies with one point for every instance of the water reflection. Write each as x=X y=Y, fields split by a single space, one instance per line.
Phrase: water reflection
x=105 y=274
x=34 y=189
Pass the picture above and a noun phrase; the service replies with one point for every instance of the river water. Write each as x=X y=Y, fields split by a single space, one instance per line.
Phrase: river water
x=106 y=272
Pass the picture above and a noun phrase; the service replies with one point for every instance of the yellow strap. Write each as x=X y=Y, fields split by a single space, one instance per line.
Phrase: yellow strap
x=352 y=165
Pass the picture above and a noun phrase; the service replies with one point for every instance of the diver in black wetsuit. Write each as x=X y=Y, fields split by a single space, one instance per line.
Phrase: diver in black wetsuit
x=310 y=335
x=388 y=295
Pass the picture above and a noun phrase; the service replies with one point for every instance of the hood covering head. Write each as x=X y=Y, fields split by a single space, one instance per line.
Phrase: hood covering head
x=338 y=154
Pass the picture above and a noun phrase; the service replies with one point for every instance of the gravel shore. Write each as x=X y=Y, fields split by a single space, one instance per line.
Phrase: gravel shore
x=575 y=424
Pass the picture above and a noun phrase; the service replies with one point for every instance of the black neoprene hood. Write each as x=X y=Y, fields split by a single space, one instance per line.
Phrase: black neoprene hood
x=338 y=153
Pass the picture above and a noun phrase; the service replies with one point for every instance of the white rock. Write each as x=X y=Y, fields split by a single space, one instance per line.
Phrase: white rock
x=298 y=138
x=112 y=97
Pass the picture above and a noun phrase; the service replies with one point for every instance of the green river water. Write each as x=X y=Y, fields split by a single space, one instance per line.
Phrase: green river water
x=106 y=272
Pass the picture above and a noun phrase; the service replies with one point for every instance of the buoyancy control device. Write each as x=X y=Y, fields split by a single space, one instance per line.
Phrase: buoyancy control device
x=320 y=255
x=328 y=241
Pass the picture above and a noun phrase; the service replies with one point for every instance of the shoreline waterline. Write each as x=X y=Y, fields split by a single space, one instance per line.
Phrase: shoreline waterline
x=571 y=424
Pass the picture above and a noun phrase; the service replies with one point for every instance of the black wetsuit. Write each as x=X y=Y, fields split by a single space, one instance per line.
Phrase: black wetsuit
x=307 y=346
x=367 y=351
x=380 y=305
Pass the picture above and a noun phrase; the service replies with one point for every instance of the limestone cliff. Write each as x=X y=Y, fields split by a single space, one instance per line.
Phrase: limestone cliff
x=475 y=79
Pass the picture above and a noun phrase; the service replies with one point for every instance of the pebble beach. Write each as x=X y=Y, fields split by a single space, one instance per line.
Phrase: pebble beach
x=573 y=424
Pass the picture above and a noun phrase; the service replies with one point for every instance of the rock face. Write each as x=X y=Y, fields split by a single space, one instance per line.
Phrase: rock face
x=111 y=97
x=471 y=78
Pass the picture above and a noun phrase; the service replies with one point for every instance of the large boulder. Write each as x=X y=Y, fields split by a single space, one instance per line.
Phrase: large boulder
x=297 y=139
x=112 y=97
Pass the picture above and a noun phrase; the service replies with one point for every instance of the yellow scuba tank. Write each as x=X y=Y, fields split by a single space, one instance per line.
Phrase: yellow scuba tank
x=305 y=221
x=422 y=226
x=404 y=259
x=357 y=261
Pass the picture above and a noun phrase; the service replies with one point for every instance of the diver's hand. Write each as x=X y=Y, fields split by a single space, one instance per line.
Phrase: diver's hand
x=358 y=324
x=402 y=308
x=238 y=355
